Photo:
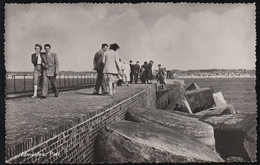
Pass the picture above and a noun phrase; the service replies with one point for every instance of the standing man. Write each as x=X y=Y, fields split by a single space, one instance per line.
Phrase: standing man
x=50 y=72
x=99 y=66
x=131 y=71
x=39 y=61
x=136 y=70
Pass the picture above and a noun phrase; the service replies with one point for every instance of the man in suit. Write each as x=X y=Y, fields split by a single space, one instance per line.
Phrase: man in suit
x=39 y=61
x=136 y=71
x=99 y=66
x=50 y=72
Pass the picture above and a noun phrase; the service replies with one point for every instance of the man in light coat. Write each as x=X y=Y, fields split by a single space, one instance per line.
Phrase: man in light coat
x=50 y=72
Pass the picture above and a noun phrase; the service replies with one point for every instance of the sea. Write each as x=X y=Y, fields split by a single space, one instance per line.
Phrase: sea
x=239 y=92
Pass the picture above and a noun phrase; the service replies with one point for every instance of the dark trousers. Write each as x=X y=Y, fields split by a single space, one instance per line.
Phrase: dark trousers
x=136 y=77
x=45 y=85
x=131 y=77
x=100 y=82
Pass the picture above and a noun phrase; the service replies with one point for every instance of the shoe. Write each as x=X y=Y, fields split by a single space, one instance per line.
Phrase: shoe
x=56 y=95
x=104 y=93
x=43 y=97
x=34 y=96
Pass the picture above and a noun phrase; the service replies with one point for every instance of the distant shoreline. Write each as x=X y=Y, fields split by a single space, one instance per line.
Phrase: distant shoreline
x=216 y=77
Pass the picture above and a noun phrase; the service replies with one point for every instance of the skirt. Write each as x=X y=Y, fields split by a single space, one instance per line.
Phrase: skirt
x=37 y=75
x=111 y=78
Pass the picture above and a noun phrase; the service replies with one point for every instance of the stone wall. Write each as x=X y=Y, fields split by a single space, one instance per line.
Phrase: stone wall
x=76 y=144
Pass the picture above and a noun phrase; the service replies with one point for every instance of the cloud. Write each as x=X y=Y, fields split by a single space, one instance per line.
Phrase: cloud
x=202 y=39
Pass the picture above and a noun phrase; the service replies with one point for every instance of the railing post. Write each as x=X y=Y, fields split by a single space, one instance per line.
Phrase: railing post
x=24 y=83
x=73 y=80
x=68 y=80
x=64 y=80
x=59 y=81
x=13 y=76
x=77 y=80
x=81 y=79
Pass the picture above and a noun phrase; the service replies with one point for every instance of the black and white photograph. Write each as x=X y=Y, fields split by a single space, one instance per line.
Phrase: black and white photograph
x=131 y=82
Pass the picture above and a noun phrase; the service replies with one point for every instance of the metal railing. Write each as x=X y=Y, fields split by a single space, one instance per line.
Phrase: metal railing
x=23 y=83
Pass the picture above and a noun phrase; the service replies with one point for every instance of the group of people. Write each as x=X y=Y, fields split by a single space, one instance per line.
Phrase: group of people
x=46 y=67
x=108 y=67
x=112 y=70
x=145 y=72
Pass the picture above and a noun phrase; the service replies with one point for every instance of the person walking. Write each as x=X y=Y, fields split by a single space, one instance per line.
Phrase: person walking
x=112 y=68
x=126 y=72
x=39 y=61
x=50 y=72
x=99 y=66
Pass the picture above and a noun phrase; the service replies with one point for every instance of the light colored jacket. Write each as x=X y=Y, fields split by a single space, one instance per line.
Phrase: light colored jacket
x=111 y=61
x=53 y=65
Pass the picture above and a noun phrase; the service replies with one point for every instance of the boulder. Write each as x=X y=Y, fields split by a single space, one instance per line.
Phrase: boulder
x=126 y=141
x=235 y=135
x=200 y=99
x=188 y=125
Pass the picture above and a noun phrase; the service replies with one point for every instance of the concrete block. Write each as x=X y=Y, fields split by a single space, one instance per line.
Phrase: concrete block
x=173 y=94
x=200 y=99
x=235 y=134
x=227 y=109
x=192 y=86
x=134 y=142
x=188 y=125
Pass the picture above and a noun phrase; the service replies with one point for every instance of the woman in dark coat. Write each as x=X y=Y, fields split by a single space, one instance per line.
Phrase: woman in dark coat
x=149 y=71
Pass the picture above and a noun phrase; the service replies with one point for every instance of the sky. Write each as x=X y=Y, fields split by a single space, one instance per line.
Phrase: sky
x=178 y=36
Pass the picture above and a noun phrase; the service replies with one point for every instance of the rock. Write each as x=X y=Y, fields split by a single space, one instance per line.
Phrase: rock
x=173 y=94
x=219 y=99
x=192 y=86
x=200 y=99
x=234 y=159
x=126 y=141
x=190 y=126
x=228 y=109
x=235 y=134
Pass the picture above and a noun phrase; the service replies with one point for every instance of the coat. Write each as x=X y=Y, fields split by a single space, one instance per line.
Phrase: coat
x=136 y=69
x=53 y=65
x=98 y=61
x=34 y=58
x=111 y=61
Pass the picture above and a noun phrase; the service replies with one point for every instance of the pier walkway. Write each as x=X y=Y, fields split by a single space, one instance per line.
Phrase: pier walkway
x=26 y=117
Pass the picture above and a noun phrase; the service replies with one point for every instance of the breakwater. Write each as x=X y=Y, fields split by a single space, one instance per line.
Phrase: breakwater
x=77 y=143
